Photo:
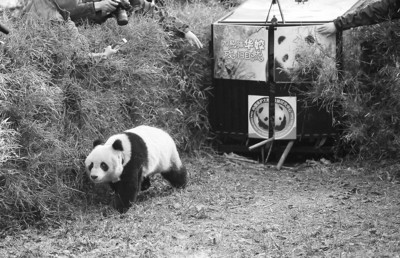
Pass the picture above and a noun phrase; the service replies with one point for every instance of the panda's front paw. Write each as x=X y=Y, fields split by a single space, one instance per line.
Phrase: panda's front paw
x=118 y=205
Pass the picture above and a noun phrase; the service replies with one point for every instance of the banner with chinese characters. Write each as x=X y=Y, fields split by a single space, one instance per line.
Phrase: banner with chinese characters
x=285 y=117
x=302 y=44
x=240 y=52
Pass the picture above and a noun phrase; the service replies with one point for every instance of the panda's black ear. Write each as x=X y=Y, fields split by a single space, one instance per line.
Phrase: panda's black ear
x=97 y=142
x=117 y=145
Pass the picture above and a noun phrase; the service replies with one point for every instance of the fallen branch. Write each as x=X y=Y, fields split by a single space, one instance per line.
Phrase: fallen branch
x=233 y=156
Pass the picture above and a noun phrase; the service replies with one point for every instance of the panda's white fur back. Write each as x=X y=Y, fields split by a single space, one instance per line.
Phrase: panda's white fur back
x=161 y=149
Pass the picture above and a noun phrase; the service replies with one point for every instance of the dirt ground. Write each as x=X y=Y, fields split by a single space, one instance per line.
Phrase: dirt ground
x=237 y=209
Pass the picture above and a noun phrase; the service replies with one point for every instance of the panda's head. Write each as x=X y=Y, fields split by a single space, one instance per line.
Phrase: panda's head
x=285 y=56
x=105 y=163
x=263 y=115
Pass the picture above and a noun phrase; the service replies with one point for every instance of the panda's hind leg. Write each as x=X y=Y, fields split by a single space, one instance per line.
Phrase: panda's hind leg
x=145 y=183
x=177 y=177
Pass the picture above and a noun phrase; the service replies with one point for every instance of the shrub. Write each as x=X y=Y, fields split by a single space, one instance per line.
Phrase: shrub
x=366 y=101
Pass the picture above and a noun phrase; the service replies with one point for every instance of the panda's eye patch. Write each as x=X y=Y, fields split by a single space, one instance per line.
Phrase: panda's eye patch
x=310 y=39
x=90 y=166
x=104 y=166
x=281 y=39
x=285 y=58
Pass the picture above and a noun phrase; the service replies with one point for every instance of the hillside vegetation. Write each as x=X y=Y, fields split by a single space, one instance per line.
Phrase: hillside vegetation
x=365 y=97
x=55 y=101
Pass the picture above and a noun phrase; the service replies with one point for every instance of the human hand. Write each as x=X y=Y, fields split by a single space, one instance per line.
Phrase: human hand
x=327 y=29
x=193 y=39
x=108 y=51
x=106 y=6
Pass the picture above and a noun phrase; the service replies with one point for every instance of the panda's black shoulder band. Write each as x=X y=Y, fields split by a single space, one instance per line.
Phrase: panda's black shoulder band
x=97 y=142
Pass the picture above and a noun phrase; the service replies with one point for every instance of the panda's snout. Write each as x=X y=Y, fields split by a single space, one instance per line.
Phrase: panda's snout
x=93 y=177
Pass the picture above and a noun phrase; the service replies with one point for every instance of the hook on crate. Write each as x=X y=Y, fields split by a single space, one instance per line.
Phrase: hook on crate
x=274 y=20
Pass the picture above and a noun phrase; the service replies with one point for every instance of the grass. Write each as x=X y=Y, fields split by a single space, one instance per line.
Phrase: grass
x=8 y=142
x=235 y=209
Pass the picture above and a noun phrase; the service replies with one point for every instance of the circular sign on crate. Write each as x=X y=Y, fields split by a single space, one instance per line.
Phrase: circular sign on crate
x=284 y=117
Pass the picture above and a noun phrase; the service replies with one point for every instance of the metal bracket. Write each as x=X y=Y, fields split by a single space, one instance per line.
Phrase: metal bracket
x=274 y=20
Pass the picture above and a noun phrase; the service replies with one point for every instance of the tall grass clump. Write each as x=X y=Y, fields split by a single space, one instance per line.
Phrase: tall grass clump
x=365 y=100
x=55 y=100
x=8 y=142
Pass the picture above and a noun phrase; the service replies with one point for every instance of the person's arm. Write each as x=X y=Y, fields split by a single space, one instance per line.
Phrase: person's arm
x=93 y=10
x=181 y=29
x=84 y=44
x=373 y=13
x=168 y=22
x=83 y=9
x=108 y=51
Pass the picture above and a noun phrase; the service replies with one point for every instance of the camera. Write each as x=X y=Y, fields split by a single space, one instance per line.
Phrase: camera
x=121 y=13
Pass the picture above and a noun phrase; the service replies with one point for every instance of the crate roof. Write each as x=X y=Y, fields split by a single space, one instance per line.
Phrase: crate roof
x=310 y=11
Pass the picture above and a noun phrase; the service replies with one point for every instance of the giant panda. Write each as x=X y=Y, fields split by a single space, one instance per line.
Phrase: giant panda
x=127 y=160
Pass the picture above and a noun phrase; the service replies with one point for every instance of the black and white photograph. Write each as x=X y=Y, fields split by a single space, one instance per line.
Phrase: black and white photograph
x=200 y=128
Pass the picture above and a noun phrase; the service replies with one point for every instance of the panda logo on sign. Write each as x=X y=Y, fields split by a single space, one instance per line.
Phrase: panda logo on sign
x=259 y=117
x=262 y=114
